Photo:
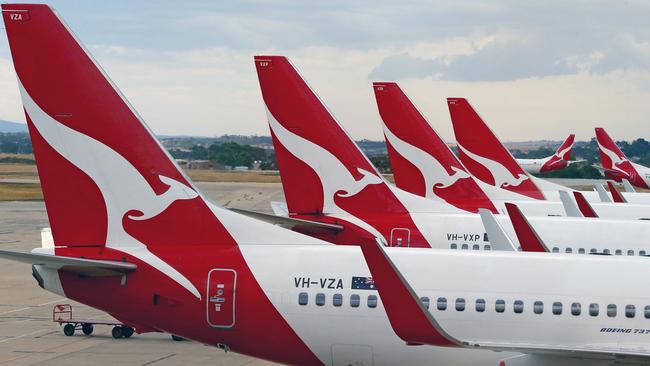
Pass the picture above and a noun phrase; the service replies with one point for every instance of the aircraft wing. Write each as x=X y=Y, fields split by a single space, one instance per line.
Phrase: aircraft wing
x=82 y=266
x=303 y=226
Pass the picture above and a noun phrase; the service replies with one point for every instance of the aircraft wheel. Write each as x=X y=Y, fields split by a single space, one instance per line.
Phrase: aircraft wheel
x=177 y=338
x=127 y=332
x=68 y=329
x=117 y=332
x=87 y=328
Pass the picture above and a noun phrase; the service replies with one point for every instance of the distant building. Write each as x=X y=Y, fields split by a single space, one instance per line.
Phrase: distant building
x=240 y=168
x=203 y=164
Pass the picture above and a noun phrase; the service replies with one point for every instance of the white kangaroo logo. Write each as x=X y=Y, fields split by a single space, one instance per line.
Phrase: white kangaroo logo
x=124 y=190
x=335 y=178
x=616 y=160
x=502 y=176
x=434 y=173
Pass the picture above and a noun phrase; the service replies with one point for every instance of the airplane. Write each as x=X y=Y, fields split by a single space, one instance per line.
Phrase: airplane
x=616 y=166
x=424 y=165
x=487 y=159
x=133 y=237
x=558 y=161
x=328 y=180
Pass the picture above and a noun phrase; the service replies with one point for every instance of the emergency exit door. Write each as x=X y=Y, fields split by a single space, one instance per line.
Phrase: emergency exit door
x=220 y=299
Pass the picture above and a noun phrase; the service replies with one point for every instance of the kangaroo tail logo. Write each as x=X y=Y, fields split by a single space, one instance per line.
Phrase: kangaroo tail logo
x=502 y=176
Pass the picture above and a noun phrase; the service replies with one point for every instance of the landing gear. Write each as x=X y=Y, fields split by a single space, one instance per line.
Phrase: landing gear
x=177 y=338
x=127 y=332
x=68 y=329
x=86 y=328
x=122 y=331
x=117 y=332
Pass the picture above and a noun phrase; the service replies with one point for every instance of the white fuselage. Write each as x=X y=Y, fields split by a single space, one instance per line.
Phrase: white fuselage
x=533 y=166
x=345 y=334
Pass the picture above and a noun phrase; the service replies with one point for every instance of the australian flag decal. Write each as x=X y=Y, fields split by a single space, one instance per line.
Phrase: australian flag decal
x=363 y=283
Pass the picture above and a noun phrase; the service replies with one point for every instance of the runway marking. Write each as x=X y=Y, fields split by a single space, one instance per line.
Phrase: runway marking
x=159 y=359
x=24 y=335
x=31 y=307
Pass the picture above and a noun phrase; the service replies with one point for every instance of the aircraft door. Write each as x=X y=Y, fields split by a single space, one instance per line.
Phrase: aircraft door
x=400 y=237
x=220 y=299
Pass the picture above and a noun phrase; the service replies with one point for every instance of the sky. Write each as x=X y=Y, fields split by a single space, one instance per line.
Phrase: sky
x=533 y=69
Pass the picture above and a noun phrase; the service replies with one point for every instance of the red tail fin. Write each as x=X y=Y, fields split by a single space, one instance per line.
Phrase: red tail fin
x=105 y=178
x=616 y=164
x=322 y=168
x=561 y=158
x=422 y=163
x=483 y=154
x=527 y=236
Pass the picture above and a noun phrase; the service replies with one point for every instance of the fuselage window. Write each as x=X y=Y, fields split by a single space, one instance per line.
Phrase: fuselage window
x=630 y=252
x=425 y=302
x=480 y=305
x=593 y=250
x=476 y=247
x=593 y=309
x=500 y=306
x=355 y=300
x=464 y=247
x=460 y=304
x=337 y=300
x=453 y=246
x=372 y=301
x=303 y=298
x=646 y=311
x=618 y=252
x=556 y=250
x=557 y=308
x=538 y=307
x=487 y=247
x=642 y=252
x=568 y=250
x=630 y=311
x=518 y=306
x=581 y=251
x=611 y=310
x=441 y=304
x=320 y=299
x=576 y=308
x=606 y=251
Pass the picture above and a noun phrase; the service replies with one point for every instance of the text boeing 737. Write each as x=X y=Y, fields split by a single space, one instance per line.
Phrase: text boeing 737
x=423 y=164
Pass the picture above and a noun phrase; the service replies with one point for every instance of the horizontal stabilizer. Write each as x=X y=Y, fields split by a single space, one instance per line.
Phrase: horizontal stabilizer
x=303 y=226
x=82 y=266
x=280 y=208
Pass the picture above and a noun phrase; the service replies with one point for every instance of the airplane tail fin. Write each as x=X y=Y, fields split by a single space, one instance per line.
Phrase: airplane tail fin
x=484 y=155
x=106 y=180
x=564 y=151
x=610 y=154
x=560 y=159
x=422 y=163
x=322 y=169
